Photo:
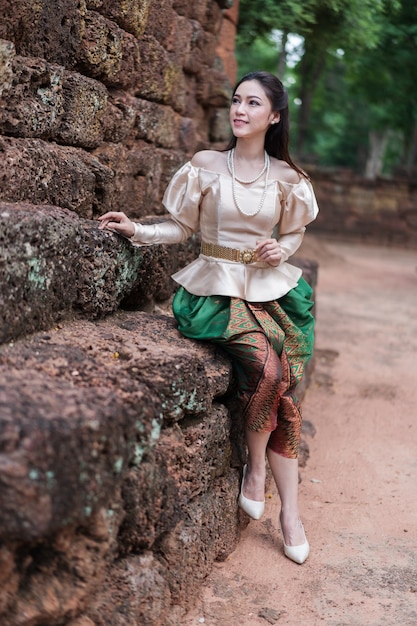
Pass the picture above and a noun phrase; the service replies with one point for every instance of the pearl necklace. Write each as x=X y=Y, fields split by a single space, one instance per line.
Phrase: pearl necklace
x=231 y=165
x=231 y=168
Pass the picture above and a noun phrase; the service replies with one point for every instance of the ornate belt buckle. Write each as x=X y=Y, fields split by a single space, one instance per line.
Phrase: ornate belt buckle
x=247 y=256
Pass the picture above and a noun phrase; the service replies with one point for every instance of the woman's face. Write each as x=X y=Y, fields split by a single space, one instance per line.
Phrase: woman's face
x=251 y=112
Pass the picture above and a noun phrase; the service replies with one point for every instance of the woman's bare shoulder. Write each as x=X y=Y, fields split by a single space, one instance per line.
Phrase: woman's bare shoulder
x=282 y=171
x=210 y=160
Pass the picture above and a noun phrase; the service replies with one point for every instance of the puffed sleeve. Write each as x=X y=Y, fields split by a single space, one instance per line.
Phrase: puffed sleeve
x=299 y=208
x=182 y=200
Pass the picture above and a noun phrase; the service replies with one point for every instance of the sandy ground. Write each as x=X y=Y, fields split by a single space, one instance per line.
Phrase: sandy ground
x=358 y=493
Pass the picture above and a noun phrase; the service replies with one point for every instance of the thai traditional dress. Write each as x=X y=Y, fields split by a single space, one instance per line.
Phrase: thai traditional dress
x=261 y=315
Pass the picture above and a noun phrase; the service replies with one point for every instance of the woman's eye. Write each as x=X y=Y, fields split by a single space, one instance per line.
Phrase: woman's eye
x=235 y=100
x=254 y=102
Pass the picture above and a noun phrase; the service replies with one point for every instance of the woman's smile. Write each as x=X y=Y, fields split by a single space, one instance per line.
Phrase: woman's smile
x=239 y=122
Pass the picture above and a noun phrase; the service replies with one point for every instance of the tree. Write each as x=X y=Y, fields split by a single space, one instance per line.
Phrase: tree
x=385 y=79
x=325 y=25
x=257 y=20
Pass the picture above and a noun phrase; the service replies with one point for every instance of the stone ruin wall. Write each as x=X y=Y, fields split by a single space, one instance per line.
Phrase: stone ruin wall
x=382 y=211
x=100 y=102
x=103 y=100
x=119 y=454
x=118 y=478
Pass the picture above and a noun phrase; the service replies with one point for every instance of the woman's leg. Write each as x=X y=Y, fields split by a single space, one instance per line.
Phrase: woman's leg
x=258 y=372
x=254 y=487
x=285 y=473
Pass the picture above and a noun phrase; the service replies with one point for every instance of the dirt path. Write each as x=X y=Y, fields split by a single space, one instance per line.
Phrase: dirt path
x=359 y=490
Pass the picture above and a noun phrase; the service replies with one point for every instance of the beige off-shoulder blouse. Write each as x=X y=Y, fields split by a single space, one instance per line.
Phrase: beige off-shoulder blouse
x=198 y=199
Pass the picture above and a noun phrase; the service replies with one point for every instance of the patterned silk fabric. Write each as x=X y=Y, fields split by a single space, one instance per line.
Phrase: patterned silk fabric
x=270 y=344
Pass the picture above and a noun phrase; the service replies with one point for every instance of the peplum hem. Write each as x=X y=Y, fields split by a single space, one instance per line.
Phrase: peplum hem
x=208 y=276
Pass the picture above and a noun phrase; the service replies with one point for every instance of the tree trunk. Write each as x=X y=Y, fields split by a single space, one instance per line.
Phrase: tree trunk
x=377 y=145
x=312 y=65
x=411 y=160
x=282 y=56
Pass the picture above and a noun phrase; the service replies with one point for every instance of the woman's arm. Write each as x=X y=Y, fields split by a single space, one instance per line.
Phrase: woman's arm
x=299 y=208
x=181 y=200
x=168 y=231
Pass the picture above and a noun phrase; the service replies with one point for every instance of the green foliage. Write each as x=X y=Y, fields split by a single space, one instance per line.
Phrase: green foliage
x=261 y=54
x=353 y=21
x=358 y=72
x=258 y=18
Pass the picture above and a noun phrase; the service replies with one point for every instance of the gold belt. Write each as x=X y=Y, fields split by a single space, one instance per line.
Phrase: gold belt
x=230 y=254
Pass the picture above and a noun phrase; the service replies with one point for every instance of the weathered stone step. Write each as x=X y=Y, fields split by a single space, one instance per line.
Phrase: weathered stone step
x=54 y=265
x=81 y=404
x=115 y=465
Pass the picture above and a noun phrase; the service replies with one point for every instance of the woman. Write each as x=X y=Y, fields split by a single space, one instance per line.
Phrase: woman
x=240 y=292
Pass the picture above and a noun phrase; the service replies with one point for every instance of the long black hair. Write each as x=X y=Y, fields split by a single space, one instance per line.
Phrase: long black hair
x=278 y=135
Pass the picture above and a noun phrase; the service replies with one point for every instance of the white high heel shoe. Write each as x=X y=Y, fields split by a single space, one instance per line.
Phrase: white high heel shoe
x=299 y=553
x=254 y=508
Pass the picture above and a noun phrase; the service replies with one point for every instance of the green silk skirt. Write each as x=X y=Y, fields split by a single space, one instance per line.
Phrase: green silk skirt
x=270 y=344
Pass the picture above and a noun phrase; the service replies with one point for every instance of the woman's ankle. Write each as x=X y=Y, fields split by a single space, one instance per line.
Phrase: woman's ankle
x=255 y=482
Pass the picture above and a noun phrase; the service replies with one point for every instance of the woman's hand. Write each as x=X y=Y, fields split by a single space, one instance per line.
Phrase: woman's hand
x=269 y=251
x=119 y=222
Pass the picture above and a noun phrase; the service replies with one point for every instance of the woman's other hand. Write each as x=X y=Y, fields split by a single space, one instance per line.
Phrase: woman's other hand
x=119 y=222
x=269 y=251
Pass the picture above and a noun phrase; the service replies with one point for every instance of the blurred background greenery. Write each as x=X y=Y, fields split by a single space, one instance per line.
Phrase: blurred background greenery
x=350 y=67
